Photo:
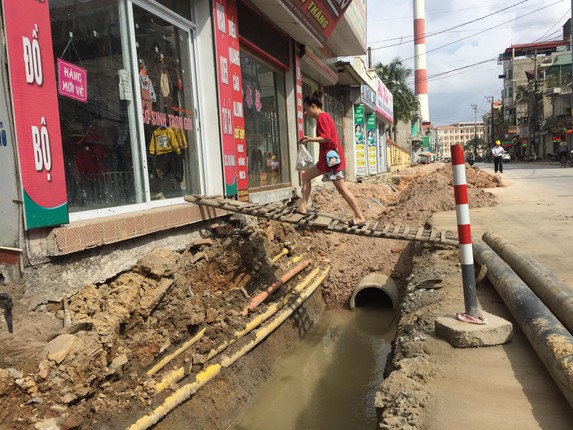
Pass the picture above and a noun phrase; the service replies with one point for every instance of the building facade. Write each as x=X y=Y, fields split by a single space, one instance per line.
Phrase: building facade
x=536 y=95
x=462 y=133
x=114 y=110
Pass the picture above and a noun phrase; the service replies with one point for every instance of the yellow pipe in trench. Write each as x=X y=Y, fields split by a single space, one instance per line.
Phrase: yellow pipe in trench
x=186 y=391
x=262 y=333
x=175 y=354
x=179 y=373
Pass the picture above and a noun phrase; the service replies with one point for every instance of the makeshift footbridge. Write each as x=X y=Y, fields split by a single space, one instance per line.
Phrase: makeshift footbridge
x=323 y=221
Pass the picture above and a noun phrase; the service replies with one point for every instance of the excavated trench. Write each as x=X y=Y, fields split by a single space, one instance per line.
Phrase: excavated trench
x=320 y=369
x=331 y=377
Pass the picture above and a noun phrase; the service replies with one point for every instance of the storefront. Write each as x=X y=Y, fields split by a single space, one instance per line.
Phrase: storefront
x=265 y=65
x=121 y=109
x=384 y=121
x=365 y=131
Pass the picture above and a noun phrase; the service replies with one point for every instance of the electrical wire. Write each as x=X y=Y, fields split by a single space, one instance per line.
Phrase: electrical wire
x=564 y=15
x=460 y=25
x=472 y=35
x=480 y=32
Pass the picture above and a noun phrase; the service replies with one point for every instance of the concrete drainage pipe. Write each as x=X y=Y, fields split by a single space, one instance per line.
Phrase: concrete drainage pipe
x=549 y=338
x=375 y=289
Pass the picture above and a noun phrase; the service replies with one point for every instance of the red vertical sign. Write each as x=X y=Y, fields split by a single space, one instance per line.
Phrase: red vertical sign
x=36 y=117
x=237 y=97
x=230 y=98
x=299 y=110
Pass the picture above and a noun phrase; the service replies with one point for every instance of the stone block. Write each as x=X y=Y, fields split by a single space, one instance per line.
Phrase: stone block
x=459 y=334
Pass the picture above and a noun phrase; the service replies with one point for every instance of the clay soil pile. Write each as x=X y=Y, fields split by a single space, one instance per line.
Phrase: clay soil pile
x=91 y=373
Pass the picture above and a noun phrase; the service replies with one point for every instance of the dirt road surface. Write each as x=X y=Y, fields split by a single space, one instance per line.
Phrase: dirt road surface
x=502 y=387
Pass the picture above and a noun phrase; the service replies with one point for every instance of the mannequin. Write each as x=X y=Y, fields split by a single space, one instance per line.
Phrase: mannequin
x=148 y=96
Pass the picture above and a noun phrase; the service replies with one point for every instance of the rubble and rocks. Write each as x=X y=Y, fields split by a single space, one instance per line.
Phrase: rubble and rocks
x=80 y=378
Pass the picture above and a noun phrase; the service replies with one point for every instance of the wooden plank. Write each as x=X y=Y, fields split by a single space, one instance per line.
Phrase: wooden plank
x=322 y=221
x=334 y=222
x=433 y=235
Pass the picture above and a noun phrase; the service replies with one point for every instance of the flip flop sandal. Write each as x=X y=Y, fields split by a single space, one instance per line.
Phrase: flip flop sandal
x=469 y=319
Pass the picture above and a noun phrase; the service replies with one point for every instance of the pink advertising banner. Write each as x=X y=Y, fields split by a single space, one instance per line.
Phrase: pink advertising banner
x=73 y=81
x=384 y=101
x=231 y=99
x=35 y=104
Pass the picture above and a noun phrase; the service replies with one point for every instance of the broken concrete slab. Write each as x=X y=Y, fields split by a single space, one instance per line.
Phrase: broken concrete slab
x=459 y=334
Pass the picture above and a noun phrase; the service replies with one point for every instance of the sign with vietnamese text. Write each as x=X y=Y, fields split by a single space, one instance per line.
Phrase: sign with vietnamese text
x=359 y=140
x=231 y=99
x=36 y=116
x=384 y=101
x=72 y=81
x=318 y=16
x=299 y=101
x=371 y=143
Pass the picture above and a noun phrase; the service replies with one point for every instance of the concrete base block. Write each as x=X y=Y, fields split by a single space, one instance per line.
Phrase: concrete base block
x=459 y=334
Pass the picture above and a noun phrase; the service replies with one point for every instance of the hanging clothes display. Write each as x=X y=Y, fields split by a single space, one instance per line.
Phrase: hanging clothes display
x=166 y=150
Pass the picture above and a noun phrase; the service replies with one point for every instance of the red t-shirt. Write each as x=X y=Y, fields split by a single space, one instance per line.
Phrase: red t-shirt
x=326 y=128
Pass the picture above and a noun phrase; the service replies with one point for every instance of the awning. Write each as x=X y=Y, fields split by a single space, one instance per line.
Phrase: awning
x=348 y=75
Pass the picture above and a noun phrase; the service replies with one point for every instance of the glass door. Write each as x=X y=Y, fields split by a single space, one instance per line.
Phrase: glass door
x=165 y=82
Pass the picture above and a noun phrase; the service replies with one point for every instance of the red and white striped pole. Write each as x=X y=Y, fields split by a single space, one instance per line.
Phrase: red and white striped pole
x=465 y=237
x=420 y=68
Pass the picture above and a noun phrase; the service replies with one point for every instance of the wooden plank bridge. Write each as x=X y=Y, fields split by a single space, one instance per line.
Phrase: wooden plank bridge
x=323 y=221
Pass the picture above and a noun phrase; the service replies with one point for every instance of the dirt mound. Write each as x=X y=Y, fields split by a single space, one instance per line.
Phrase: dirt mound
x=90 y=373
x=435 y=192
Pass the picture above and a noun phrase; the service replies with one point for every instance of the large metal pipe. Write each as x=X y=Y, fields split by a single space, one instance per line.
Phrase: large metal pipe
x=549 y=338
x=554 y=293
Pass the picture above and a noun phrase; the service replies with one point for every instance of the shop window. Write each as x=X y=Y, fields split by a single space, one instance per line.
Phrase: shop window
x=265 y=123
x=167 y=108
x=99 y=152
x=103 y=145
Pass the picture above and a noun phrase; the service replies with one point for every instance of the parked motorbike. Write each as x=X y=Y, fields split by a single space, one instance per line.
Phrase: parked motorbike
x=471 y=159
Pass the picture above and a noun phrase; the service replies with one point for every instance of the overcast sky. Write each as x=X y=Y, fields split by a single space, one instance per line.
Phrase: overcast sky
x=492 y=26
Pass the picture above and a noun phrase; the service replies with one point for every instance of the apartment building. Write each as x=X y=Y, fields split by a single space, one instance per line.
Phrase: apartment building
x=458 y=133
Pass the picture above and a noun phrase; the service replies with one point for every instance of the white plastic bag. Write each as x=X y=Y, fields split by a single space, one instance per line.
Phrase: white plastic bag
x=303 y=158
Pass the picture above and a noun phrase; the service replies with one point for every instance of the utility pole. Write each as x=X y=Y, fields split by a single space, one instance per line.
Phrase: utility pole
x=475 y=108
x=533 y=112
x=571 y=49
x=492 y=122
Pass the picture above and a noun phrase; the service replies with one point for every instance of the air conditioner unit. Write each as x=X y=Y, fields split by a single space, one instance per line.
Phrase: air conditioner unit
x=556 y=90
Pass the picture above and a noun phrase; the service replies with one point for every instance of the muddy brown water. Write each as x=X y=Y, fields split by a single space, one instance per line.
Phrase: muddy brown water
x=330 y=379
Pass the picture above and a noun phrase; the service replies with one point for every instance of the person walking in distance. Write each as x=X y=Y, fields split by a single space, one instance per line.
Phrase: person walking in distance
x=331 y=161
x=497 y=151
